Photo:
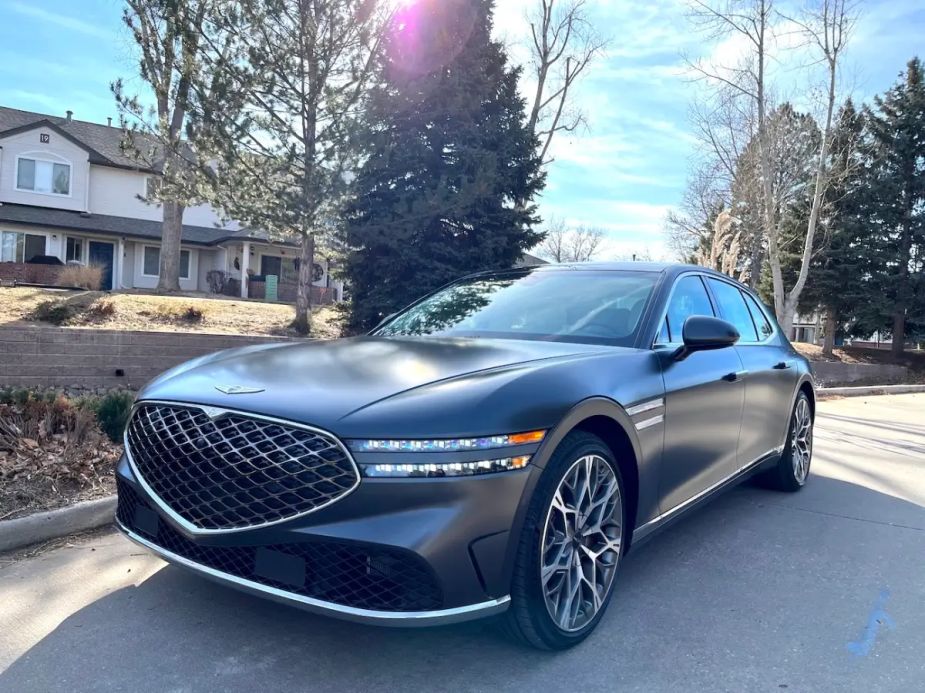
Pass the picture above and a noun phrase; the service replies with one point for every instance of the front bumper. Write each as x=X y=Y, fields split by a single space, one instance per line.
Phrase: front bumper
x=383 y=618
x=378 y=555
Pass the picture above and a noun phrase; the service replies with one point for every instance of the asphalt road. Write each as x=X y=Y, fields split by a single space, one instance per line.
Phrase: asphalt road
x=823 y=590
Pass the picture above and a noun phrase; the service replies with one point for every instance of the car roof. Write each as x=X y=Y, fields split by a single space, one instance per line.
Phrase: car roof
x=669 y=268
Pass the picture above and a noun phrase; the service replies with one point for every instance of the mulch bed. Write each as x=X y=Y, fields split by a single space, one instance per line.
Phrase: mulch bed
x=46 y=464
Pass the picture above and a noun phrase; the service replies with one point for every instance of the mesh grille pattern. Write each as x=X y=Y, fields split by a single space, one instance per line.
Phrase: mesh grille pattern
x=365 y=577
x=235 y=471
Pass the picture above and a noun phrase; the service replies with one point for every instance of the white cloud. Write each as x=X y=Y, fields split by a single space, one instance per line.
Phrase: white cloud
x=60 y=20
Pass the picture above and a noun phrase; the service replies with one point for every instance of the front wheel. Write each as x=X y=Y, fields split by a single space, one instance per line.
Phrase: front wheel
x=571 y=546
x=792 y=470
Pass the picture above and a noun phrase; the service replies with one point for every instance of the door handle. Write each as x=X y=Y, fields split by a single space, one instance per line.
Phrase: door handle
x=782 y=365
x=733 y=377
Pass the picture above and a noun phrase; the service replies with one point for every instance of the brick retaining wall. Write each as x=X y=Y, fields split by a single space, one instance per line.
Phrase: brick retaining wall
x=829 y=373
x=67 y=358
x=27 y=273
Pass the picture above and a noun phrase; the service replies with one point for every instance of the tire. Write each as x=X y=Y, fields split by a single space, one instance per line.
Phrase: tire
x=547 y=534
x=792 y=469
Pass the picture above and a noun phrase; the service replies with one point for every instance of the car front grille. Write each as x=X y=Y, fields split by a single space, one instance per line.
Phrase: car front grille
x=234 y=471
x=362 y=576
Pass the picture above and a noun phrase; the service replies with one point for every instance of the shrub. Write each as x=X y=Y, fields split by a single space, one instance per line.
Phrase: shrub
x=55 y=312
x=85 y=276
x=101 y=309
x=187 y=313
x=193 y=314
x=112 y=412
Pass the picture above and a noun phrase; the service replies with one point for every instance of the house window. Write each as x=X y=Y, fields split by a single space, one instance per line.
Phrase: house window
x=36 y=175
x=74 y=250
x=151 y=262
x=20 y=247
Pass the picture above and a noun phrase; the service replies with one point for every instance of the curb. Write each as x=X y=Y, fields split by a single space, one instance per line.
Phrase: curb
x=870 y=390
x=52 y=524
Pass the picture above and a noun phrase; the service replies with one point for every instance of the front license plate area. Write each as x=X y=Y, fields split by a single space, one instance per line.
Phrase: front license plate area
x=146 y=521
x=280 y=567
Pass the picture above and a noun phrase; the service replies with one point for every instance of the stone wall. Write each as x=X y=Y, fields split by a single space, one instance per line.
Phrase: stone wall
x=58 y=357
x=829 y=373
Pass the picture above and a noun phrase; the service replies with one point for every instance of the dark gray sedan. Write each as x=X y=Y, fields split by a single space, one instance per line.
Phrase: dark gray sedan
x=495 y=448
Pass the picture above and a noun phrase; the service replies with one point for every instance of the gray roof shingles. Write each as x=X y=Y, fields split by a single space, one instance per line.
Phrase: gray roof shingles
x=107 y=225
x=104 y=143
x=104 y=140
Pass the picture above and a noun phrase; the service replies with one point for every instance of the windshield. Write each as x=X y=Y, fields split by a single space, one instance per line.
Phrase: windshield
x=594 y=306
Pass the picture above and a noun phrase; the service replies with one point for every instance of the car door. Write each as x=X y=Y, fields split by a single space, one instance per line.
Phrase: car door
x=704 y=396
x=770 y=367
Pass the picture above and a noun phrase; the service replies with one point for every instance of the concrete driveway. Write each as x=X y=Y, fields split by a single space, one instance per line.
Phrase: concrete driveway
x=823 y=590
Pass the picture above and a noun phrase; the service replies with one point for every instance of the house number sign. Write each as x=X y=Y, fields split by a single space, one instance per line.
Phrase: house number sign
x=44 y=138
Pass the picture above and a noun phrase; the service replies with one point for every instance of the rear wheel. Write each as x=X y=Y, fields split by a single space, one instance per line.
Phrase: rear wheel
x=570 y=547
x=792 y=470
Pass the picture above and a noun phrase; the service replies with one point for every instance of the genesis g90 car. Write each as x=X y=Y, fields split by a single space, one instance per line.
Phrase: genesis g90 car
x=495 y=448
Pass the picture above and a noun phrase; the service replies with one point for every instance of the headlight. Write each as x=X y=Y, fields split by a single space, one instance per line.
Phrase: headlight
x=430 y=469
x=446 y=444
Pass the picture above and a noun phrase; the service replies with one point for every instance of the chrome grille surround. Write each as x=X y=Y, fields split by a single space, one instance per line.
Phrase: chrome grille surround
x=216 y=470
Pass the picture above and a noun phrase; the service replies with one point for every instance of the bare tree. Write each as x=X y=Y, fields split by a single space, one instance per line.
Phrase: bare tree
x=563 y=44
x=740 y=92
x=562 y=244
x=827 y=27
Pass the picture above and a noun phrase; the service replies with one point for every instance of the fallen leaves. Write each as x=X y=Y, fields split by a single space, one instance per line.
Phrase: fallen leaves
x=65 y=457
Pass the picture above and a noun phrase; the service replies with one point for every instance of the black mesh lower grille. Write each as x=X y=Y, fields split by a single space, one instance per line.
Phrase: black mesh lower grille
x=365 y=577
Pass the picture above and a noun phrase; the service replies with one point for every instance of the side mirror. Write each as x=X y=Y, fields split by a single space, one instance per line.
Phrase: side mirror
x=703 y=333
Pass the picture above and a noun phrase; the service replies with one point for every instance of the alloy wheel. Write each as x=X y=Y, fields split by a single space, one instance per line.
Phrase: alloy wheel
x=801 y=440
x=581 y=542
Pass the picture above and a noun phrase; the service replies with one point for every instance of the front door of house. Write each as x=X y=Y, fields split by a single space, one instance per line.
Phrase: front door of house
x=101 y=253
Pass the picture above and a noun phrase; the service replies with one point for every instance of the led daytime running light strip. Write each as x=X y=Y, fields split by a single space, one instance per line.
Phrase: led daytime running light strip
x=446 y=444
x=506 y=464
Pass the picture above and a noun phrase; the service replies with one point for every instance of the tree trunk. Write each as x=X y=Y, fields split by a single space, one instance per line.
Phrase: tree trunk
x=831 y=318
x=169 y=269
x=303 y=302
x=785 y=320
x=899 y=333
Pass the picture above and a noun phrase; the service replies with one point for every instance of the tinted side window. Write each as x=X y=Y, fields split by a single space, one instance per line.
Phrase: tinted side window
x=733 y=308
x=761 y=322
x=688 y=298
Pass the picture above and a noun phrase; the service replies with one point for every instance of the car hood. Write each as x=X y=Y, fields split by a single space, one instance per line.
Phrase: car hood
x=323 y=383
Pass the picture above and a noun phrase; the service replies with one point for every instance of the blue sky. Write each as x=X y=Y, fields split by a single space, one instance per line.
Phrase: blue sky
x=624 y=174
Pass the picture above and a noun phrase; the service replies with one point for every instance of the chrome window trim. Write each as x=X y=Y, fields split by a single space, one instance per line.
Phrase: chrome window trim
x=214 y=413
x=350 y=613
x=674 y=286
x=703 y=277
x=764 y=312
x=744 y=290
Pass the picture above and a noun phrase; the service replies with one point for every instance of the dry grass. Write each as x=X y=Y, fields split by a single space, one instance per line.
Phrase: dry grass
x=145 y=311
x=85 y=276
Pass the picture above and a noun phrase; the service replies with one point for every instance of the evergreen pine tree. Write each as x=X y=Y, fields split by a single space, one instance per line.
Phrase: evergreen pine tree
x=895 y=206
x=451 y=167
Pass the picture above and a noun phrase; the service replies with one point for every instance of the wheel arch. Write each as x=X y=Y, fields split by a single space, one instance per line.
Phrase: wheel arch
x=606 y=419
x=806 y=387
